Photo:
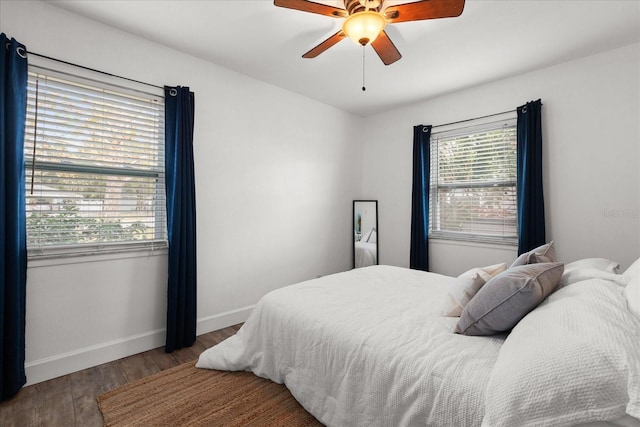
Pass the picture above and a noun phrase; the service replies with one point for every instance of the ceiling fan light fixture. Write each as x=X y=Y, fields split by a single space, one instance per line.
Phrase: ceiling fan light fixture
x=364 y=27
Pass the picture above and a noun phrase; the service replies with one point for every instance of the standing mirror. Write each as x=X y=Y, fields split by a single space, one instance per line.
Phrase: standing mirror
x=365 y=233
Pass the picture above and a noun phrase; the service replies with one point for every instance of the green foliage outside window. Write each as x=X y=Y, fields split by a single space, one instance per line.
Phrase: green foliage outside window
x=68 y=227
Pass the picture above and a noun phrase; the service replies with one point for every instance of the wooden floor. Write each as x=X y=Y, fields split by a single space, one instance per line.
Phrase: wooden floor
x=71 y=400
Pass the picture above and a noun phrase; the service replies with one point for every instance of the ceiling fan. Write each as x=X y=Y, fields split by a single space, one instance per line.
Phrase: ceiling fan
x=366 y=19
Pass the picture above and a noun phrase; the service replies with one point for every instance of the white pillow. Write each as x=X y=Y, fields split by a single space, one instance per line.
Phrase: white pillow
x=466 y=286
x=574 y=359
x=487 y=273
x=365 y=236
x=590 y=268
x=602 y=264
x=580 y=274
x=632 y=291
x=460 y=293
x=373 y=237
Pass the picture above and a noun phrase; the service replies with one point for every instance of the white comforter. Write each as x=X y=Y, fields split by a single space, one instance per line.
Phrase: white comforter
x=364 y=348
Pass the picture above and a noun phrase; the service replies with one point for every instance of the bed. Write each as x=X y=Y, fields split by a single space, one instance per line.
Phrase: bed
x=371 y=347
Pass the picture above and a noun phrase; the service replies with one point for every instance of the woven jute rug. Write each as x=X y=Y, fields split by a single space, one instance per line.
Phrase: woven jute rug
x=187 y=396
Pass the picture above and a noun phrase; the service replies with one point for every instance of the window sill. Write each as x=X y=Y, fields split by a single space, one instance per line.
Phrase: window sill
x=452 y=242
x=80 y=258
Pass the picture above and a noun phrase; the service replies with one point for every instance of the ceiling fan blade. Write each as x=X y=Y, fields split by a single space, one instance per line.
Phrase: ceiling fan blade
x=425 y=9
x=309 y=6
x=385 y=49
x=325 y=45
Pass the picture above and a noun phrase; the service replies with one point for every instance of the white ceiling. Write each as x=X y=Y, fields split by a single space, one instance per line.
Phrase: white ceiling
x=489 y=41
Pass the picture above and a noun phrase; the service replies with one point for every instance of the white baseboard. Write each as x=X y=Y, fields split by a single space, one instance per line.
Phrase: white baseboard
x=77 y=360
x=87 y=357
x=223 y=320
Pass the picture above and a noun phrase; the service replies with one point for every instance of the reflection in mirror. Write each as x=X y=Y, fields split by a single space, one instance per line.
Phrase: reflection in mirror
x=365 y=233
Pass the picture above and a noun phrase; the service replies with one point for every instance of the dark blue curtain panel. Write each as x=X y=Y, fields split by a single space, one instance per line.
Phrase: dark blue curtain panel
x=419 y=254
x=181 y=218
x=13 y=230
x=530 y=197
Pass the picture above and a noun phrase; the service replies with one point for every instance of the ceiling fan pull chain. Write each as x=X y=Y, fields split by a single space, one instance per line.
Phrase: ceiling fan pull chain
x=363 y=88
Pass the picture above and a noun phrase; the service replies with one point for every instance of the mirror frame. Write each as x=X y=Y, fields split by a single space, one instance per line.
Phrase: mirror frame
x=353 y=231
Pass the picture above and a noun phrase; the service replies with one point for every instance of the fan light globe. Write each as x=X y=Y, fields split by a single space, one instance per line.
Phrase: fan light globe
x=364 y=27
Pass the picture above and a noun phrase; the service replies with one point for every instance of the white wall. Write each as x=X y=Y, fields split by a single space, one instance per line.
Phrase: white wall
x=274 y=188
x=591 y=137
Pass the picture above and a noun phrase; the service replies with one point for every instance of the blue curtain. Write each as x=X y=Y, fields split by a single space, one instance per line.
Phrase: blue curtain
x=531 y=229
x=181 y=218
x=419 y=255
x=13 y=234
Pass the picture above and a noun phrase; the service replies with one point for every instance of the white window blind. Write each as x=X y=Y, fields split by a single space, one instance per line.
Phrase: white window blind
x=473 y=183
x=94 y=167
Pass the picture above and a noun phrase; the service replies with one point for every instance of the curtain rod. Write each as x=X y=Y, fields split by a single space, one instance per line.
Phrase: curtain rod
x=93 y=69
x=475 y=118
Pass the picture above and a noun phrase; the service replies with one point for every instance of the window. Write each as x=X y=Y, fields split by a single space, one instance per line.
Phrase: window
x=473 y=183
x=94 y=167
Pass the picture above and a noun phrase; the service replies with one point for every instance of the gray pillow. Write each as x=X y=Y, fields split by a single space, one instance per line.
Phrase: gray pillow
x=504 y=300
x=544 y=253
